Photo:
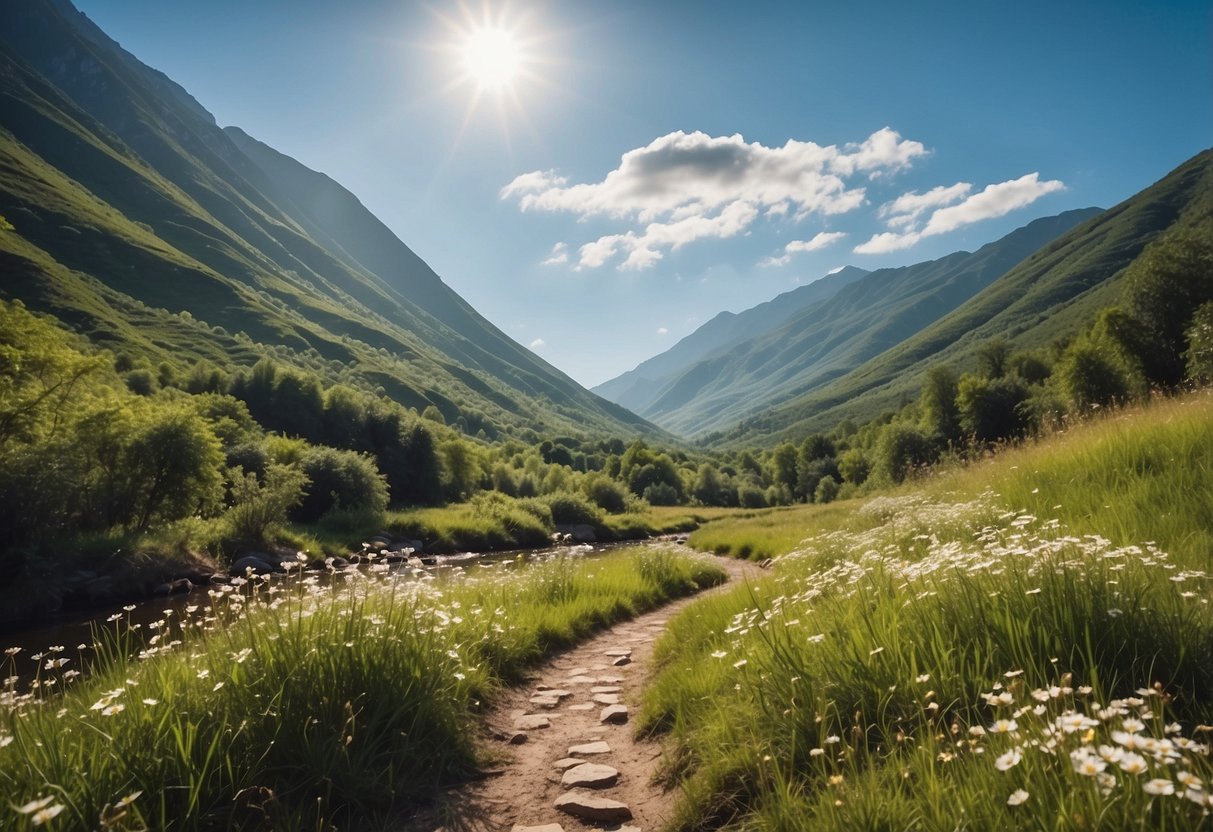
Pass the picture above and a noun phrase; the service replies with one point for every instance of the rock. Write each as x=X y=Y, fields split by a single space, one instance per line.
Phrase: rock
x=590 y=776
x=517 y=738
x=618 y=652
x=567 y=762
x=605 y=689
x=606 y=698
x=545 y=702
x=592 y=808
x=621 y=661
x=181 y=586
x=532 y=722
x=589 y=748
x=609 y=680
x=553 y=693
x=259 y=564
x=580 y=532
x=614 y=715
x=547 y=827
x=579 y=680
x=582 y=706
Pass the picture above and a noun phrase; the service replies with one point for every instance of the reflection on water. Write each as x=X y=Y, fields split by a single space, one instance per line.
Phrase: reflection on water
x=66 y=644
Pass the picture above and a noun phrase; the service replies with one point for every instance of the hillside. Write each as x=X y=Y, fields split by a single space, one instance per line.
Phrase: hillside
x=139 y=222
x=1050 y=296
x=637 y=388
x=825 y=340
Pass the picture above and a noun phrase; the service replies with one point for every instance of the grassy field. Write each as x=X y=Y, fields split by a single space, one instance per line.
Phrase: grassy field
x=304 y=707
x=1026 y=643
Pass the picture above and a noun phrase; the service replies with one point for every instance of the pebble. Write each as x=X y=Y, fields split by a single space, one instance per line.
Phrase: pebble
x=621 y=661
x=606 y=698
x=517 y=738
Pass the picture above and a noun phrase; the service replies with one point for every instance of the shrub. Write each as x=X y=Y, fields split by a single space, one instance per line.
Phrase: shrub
x=340 y=479
x=1090 y=378
x=260 y=506
x=827 y=490
x=901 y=448
x=607 y=494
x=661 y=494
x=568 y=508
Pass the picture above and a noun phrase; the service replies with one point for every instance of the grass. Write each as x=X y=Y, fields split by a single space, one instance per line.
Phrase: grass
x=963 y=653
x=304 y=706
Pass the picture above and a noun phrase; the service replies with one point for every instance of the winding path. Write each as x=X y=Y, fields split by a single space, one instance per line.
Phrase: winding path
x=566 y=716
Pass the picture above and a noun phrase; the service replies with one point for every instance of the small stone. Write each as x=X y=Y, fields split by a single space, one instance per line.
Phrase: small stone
x=547 y=827
x=545 y=701
x=577 y=671
x=605 y=689
x=606 y=698
x=590 y=807
x=517 y=738
x=567 y=762
x=541 y=687
x=590 y=776
x=614 y=715
x=609 y=680
x=556 y=693
x=599 y=747
x=621 y=661
x=532 y=722
x=617 y=652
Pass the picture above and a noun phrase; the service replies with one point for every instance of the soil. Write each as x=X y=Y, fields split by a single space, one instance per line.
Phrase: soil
x=522 y=788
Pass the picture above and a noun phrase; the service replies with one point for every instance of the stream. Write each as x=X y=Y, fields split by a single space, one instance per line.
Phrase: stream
x=67 y=640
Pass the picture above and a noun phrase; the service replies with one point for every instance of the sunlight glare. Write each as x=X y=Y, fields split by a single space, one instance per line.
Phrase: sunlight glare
x=491 y=57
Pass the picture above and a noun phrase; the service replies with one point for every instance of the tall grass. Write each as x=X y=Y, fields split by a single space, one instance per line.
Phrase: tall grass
x=302 y=707
x=965 y=655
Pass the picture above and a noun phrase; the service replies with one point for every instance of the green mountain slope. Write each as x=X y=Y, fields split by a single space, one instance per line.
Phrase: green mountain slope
x=138 y=221
x=1051 y=295
x=828 y=339
x=637 y=388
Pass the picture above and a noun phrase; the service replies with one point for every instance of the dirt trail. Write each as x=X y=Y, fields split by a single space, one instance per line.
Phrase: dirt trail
x=571 y=692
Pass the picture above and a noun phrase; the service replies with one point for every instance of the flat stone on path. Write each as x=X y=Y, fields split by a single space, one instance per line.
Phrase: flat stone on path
x=532 y=722
x=609 y=680
x=605 y=689
x=547 y=827
x=591 y=776
x=567 y=762
x=614 y=715
x=617 y=652
x=582 y=706
x=599 y=747
x=556 y=693
x=589 y=807
x=517 y=738
x=606 y=698
x=621 y=661
x=579 y=680
x=545 y=701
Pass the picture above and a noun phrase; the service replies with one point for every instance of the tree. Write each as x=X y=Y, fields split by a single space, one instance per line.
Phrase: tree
x=1200 y=346
x=900 y=449
x=990 y=408
x=340 y=480
x=937 y=404
x=784 y=462
x=992 y=357
x=173 y=467
x=1089 y=377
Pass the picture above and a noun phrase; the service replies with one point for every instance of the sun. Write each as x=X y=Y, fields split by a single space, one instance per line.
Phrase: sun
x=492 y=57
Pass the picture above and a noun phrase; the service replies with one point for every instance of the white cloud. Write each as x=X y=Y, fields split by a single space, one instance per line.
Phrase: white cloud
x=818 y=242
x=560 y=254
x=661 y=330
x=995 y=200
x=538 y=344
x=685 y=187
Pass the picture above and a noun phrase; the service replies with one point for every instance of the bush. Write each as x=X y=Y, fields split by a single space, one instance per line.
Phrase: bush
x=661 y=494
x=751 y=496
x=901 y=449
x=261 y=506
x=827 y=490
x=339 y=480
x=569 y=509
x=607 y=494
x=1090 y=378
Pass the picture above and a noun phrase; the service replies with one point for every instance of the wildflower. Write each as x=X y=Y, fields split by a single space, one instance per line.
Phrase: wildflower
x=151 y=702
x=12 y=651
x=1008 y=760
x=1190 y=780
x=1132 y=763
x=34 y=805
x=1072 y=721
x=1159 y=785
x=5 y=739
x=923 y=678
x=740 y=663
x=1086 y=763
x=719 y=654
x=115 y=708
x=129 y=799
x=1017 y=797
x=816 y=752
x=43 y=815
x=1133 y=726
x=1004 y=726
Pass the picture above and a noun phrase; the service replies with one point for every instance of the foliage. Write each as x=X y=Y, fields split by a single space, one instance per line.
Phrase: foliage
x=901 y=450
x=339 y=480
x=261 y=504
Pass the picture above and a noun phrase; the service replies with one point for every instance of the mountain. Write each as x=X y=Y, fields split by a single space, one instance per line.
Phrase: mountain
x=825 y=340
x=637 y=388
x=1049 y=297
x=133 y=218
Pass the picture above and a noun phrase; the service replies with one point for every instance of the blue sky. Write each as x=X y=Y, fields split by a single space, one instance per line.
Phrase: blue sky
x=662 y=156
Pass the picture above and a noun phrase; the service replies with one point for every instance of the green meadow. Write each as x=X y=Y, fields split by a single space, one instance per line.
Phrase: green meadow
x=339 y=700
x=1024 y=643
